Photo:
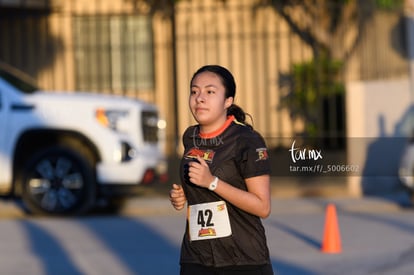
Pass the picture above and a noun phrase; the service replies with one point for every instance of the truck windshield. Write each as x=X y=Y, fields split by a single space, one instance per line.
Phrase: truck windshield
x=18 y=79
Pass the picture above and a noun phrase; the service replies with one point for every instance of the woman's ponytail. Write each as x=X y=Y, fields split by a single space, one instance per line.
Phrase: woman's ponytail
x=238 y=113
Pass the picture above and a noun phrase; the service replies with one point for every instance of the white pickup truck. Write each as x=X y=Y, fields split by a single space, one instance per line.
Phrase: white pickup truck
x=61 y=152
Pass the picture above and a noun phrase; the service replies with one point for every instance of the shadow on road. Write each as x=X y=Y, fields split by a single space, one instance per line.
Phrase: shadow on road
x=128 y=245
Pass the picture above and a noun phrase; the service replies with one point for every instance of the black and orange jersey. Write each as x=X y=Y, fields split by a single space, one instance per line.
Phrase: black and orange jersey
x=234 y=152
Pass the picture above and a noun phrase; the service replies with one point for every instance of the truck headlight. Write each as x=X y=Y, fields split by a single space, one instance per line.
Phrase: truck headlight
x=116 y=120
x=161 y=124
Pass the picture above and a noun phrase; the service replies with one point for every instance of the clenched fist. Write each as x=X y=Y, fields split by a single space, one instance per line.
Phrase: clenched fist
x=177 y=197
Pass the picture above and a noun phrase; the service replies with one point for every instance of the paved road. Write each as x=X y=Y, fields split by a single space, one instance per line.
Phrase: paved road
x=377 y=238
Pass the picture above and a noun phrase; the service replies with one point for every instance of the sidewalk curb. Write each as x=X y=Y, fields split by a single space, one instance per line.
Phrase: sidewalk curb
x=345 y=204
x=147 y=206
x=162 y=206
x=10 y=209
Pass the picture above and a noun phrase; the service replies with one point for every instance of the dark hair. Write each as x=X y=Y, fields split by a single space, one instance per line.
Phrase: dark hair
x=229 y=84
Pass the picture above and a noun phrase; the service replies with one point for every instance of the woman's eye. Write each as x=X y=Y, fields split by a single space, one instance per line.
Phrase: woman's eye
x=210 y=92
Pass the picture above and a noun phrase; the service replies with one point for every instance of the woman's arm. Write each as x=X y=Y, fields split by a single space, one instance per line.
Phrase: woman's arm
x=256 y=200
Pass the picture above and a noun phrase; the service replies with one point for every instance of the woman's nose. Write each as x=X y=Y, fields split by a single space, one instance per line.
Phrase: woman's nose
x=200 y=98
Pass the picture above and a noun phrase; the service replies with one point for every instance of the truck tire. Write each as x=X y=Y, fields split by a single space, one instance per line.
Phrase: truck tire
x=58 y=181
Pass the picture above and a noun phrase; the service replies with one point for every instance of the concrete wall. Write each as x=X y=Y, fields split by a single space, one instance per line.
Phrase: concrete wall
x=377 y=126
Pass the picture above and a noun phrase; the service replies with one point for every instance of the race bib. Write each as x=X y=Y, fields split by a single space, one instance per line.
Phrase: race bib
x=208 y=221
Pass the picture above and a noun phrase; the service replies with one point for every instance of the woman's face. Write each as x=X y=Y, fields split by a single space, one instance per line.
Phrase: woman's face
x=207 y=101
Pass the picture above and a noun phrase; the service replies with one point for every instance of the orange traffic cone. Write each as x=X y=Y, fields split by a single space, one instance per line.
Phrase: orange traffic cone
x=331 y=236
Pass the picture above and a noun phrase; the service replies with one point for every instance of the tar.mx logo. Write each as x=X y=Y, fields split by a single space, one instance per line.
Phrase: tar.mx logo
x=297 y=153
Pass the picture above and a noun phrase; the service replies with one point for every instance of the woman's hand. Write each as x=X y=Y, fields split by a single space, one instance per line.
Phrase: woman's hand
x=199 y=173
x=177 y=197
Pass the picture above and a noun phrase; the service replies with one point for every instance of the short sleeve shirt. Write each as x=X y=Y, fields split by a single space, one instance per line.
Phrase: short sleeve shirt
x=236 y=153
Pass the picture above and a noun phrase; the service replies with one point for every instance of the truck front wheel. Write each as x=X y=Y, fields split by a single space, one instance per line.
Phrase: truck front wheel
x=58 y=181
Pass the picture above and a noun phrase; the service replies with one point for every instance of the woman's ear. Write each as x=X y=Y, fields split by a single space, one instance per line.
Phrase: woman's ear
x=228 y=102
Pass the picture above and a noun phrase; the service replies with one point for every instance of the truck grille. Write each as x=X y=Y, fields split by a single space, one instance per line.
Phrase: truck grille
x=150 y=126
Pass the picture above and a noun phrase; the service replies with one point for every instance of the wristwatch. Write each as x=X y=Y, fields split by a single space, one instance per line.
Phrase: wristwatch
x=213 y=184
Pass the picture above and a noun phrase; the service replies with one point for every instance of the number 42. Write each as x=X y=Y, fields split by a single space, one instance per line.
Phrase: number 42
x=204 y=218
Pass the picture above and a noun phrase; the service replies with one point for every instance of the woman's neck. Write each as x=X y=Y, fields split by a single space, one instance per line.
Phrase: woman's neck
x=209 y=133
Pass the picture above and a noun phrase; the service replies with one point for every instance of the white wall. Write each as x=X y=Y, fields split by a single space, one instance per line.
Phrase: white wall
x=376 y=128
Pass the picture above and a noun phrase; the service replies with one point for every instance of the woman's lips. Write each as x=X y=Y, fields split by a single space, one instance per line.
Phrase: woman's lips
x=200 y=109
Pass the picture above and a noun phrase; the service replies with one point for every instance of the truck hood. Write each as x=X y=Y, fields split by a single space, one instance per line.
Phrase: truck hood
x=84 y=97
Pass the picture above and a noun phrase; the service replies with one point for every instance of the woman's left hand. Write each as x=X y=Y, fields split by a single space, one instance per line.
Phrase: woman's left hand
x=199 y=173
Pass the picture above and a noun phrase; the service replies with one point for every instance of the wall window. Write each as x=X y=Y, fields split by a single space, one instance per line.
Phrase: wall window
x=114 y=53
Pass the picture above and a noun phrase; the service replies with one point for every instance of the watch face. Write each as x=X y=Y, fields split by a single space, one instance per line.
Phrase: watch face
x=213 y=185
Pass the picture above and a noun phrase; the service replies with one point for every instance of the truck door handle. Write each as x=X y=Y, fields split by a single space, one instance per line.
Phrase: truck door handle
x=22 y=107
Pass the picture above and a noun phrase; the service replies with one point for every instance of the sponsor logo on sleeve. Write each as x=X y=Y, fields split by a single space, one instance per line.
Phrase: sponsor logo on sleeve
x=262 y=154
